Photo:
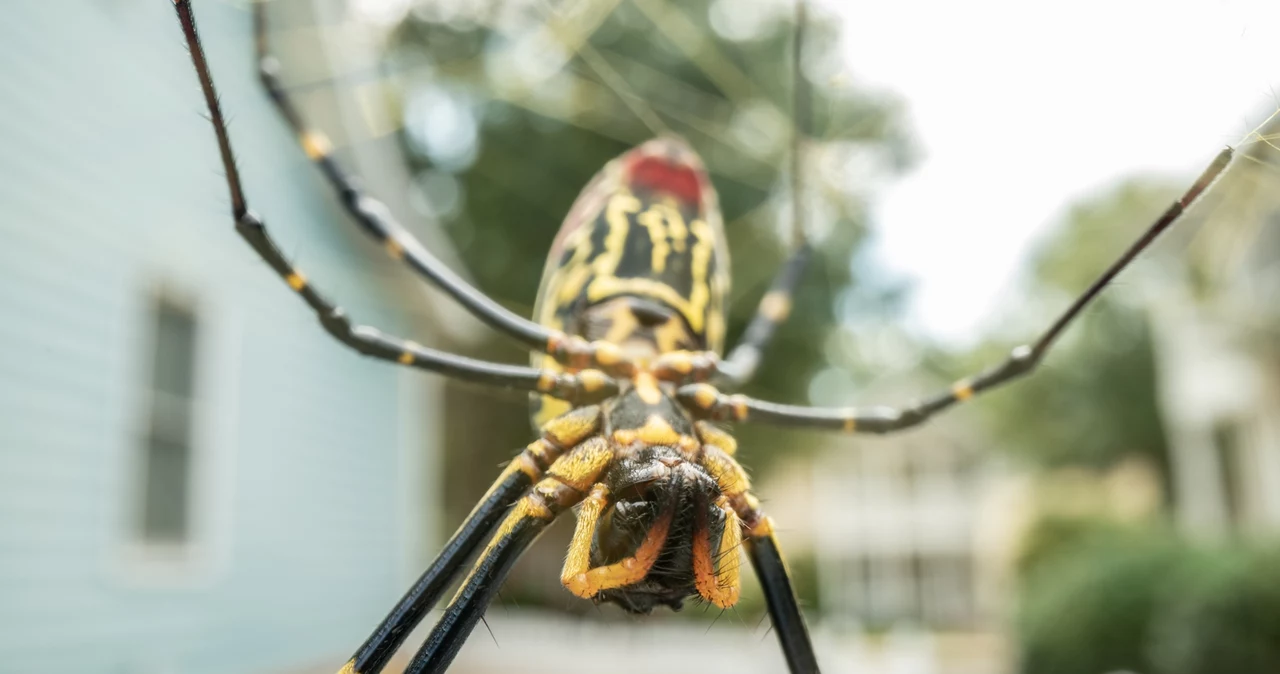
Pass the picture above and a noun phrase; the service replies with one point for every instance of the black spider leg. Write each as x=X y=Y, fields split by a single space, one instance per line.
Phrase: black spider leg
x=480 y=587
x=365 y=339
x=740 y=365
x=376 y=220
x=377 y=650
x=1022 y=360
x=563 y=487
x=784 y=609
x=496 y=505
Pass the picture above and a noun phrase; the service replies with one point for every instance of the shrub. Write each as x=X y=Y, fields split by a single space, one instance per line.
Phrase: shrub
x=1101 y=598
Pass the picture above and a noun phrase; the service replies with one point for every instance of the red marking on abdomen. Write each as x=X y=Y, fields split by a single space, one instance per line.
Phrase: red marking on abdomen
x=679 y=180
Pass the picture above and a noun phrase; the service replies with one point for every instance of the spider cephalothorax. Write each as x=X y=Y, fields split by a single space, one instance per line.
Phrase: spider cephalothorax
x=655 y=522
x=629 y=325
x=677 y=505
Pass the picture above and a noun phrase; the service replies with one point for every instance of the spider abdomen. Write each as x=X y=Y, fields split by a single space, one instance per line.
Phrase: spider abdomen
x=640 y=261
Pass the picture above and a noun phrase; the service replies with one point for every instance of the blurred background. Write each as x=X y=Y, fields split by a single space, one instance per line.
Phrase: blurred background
x=198 y=480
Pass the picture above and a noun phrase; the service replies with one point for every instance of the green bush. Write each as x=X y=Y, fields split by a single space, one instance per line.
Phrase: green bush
x=1055 y=537
x=1227 y=620
x=1099 y=598
x=1088 y=609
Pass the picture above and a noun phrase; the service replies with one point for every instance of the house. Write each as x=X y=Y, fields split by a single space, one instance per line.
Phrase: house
x=911 y=538
x=1218 y=352
x=196 y=477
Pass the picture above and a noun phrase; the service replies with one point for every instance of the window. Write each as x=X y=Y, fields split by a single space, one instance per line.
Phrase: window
x=164 y=514
x=946 y=590
x=936 y=590
x=889 y=590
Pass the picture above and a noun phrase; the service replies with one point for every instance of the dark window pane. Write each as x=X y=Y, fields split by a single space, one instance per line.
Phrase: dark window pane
x=166 y=469
x=175 y=350
x=167 y=479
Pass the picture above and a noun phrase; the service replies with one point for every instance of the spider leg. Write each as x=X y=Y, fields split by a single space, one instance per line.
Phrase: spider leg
x=740 y=365
x=762 y=547
x=376 y=220
x=365 y=339
x=567 y=480
x=706 y=400
x=586 y=582
x=516 y=533
x=565 y=431
x=784 y=609
x=716 y=574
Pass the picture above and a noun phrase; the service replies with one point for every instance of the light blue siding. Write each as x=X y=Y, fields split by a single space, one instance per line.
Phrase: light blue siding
x=109 y=190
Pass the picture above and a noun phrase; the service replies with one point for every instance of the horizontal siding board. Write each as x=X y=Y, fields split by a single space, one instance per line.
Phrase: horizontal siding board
x=112 y=192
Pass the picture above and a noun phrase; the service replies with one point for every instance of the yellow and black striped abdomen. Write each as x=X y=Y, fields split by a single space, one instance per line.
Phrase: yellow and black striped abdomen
x=641 y=259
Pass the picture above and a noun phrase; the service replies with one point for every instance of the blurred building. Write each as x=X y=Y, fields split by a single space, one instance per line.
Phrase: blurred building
x=1218 y=351
x=196 y=477
x=910 y=537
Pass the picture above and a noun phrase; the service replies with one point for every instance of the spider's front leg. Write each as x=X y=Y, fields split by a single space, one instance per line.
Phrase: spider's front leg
x=784 y=609
x=762 y=547
x=567 y=480
x=561 y=433
x=580 y=578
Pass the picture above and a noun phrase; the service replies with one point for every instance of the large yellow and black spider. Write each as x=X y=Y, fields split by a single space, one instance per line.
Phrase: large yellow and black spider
x=628 y=377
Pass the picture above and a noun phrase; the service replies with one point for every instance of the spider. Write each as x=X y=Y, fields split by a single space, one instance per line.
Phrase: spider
x=630 y=325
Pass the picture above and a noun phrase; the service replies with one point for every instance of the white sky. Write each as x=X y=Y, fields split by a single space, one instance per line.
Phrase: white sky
x=1040 y=106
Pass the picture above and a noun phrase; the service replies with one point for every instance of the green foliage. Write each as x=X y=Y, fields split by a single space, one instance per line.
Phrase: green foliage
x=1227 y=620
x=1091 y=610
x=1055 y=537
x=1099 y=597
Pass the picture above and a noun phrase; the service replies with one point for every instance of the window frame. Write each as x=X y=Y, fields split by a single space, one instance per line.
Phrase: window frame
x=204 y=552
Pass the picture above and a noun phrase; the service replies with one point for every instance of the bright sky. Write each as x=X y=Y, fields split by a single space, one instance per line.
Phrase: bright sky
x=1040 y=106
